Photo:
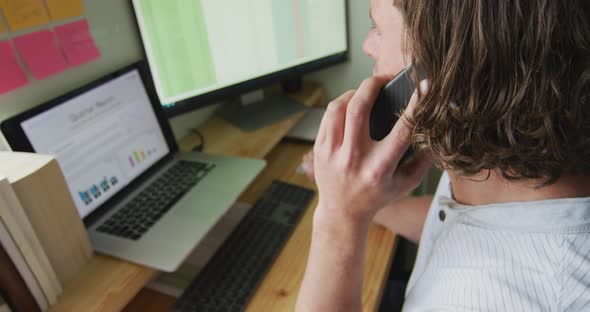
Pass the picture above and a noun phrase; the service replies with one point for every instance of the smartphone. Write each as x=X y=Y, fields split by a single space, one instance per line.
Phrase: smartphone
x=390 y=103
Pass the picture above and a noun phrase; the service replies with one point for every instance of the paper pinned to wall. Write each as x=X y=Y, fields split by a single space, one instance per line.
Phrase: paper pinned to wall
x=40 y=53
x=21 y=14
x=63 y=9
x=11 y=76
x=1 y=27
x=77 y=42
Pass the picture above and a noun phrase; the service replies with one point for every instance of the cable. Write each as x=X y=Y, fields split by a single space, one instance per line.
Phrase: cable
x=201 y=146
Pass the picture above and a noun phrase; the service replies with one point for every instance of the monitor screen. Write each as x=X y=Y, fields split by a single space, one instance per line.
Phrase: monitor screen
x=102 y=139
x=199 y=46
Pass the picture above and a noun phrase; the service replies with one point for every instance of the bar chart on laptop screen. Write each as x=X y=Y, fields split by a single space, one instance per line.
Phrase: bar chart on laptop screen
x=198 y=46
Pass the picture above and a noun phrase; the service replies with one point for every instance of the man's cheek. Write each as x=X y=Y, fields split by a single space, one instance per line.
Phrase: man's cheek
x=383 y=71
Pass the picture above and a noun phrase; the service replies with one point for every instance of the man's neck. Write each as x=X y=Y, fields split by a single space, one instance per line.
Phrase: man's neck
x=478 y=190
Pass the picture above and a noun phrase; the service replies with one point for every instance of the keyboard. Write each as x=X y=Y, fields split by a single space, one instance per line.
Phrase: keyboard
x=232 y=275
x=140 y=214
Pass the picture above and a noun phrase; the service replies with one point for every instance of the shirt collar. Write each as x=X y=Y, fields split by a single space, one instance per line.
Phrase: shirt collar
x=567 y=214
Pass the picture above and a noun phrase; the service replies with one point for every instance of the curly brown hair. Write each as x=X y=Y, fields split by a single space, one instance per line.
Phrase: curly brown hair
x=509 y=85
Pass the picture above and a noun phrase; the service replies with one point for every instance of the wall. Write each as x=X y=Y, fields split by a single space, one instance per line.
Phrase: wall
x=114 y=29
x=341 y=78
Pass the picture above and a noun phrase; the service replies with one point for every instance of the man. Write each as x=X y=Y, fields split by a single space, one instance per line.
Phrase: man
x=505 y=112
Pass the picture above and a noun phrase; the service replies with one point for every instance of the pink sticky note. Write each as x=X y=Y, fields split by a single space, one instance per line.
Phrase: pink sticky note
x=11 y=75
x=77 y=42
x=40 y=53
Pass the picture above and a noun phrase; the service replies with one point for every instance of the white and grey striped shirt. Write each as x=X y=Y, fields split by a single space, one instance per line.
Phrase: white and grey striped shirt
x=528 y=256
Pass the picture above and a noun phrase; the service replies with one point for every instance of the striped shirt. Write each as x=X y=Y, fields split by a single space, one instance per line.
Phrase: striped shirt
x=527 y=256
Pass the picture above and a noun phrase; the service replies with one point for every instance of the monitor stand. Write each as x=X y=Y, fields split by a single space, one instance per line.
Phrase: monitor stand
x=255 y=110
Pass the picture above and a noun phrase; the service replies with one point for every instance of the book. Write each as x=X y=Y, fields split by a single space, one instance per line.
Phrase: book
x=13 y=287
x=22 y=270
x=4 y=306
x=40 y=186
x=23 y=235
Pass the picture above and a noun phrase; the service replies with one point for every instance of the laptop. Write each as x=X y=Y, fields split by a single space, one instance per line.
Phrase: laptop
x=140 y=198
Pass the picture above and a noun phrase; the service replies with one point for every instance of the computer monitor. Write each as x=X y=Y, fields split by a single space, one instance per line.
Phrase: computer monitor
x=203 y=51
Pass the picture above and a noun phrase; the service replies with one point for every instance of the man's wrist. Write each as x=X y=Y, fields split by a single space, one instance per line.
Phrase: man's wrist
x=338 y=223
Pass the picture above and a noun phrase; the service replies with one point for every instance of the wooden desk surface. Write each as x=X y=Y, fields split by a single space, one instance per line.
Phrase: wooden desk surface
x=279 y=289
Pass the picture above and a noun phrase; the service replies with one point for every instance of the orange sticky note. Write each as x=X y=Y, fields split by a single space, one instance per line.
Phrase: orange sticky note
x=1 y=27
x=21 y=14
x=63 y=9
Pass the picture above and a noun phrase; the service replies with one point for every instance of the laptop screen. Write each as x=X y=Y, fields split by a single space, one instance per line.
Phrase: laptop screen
x=102 y=139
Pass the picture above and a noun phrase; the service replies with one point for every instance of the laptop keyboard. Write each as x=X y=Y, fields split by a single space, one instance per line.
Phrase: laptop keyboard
x=141 y=213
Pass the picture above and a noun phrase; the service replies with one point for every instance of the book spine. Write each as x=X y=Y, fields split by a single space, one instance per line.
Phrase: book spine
x=13 y=287
x=22 y=268
x=22 y=233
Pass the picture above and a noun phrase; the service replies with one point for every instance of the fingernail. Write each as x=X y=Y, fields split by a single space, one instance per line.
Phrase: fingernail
x=424 y=84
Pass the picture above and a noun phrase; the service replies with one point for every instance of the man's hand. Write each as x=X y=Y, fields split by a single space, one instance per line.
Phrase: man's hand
x=357 y=176
x=307 y=165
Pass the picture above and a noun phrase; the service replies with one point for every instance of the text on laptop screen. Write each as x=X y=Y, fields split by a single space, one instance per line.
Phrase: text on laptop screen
x=102 y=139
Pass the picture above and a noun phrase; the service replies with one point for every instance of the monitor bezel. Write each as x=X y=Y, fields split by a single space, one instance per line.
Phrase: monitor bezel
x=18 y=141
x=213 y=97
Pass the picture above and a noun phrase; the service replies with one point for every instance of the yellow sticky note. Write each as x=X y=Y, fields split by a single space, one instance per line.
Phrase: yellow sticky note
x=62 y=9
x=21 y=14
x=1 y=27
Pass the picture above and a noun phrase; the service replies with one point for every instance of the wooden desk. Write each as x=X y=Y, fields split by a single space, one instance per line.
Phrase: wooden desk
x=108 y=284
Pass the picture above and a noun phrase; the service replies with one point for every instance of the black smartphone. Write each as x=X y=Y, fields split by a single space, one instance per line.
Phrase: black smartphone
x=390 y=103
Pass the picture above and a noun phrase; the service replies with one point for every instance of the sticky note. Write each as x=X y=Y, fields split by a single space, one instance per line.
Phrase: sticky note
x=1 y=27
x=40 y=53
x=62 y=9
x=21 y=14
x=11 y=76
x=77 y=42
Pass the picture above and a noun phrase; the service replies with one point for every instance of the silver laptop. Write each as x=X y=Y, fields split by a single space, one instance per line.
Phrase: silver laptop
x=140 y=199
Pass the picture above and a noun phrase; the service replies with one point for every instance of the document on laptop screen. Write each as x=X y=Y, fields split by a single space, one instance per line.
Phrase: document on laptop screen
x=102 y=139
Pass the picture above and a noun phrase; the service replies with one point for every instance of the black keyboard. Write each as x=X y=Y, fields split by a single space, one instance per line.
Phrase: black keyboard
x=141 y=213
x=234 y=272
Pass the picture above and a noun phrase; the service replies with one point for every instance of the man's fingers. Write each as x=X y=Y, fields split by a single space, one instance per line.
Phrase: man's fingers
x=307 y=166
x=413 y=172
x=321 y=136
x=331 y=129
x=400 y=138
x=358 y=110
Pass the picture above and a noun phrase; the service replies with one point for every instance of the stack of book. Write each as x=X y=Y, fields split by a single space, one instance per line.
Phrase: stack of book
x=28 y=273
x=43 y=242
